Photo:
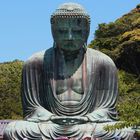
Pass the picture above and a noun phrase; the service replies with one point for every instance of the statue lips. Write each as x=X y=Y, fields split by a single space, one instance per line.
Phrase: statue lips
x=71 y=44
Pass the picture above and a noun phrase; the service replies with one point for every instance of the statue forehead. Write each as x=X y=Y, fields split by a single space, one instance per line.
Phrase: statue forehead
x=70 y=22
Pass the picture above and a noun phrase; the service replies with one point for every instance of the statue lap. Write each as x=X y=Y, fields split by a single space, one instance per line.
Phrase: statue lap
x=49 y=131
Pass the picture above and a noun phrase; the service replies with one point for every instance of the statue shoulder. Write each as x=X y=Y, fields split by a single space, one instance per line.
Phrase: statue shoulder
x=39 y=57
x=35 y=58
x=100 y=57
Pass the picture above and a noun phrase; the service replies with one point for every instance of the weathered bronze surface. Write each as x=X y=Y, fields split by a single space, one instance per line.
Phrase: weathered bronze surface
x=68 y=90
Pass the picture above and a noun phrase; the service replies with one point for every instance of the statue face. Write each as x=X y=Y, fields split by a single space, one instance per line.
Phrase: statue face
x=70 y=33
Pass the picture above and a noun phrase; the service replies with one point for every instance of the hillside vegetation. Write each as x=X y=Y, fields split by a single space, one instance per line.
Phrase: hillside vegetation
x=121 y=41
x=10 y=79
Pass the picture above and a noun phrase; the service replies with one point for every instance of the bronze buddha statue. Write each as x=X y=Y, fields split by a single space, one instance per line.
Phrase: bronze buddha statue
x=68 y=90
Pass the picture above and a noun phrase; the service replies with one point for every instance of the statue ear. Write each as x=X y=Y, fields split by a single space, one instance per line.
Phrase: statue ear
x=85 y=46
x=54 y=44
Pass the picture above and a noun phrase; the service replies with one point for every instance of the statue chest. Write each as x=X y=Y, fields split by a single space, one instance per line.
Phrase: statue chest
x=70 y=90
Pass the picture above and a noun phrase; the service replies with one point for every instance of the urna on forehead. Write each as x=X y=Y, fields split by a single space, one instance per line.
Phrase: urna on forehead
x=70 y=10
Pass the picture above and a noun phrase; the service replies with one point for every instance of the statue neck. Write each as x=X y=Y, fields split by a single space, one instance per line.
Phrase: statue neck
x=70 y=56
x=69 y=61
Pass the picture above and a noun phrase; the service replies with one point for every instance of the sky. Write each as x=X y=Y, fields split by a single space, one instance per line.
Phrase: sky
x=25 y=24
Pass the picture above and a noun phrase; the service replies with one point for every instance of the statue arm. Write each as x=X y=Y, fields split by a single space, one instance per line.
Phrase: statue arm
x=32 y=92
x=106 y=92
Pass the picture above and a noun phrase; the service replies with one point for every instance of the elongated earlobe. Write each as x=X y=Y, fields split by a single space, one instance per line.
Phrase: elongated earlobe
x=85 y=46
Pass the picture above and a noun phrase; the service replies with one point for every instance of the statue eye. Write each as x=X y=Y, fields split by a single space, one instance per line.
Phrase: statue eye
x=61 y=31
x=77 y=31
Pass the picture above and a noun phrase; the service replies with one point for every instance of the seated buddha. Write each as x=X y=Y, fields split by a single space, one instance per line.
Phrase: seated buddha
x=68 y=90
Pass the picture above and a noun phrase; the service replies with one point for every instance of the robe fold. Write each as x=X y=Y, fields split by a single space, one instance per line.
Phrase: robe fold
x=100 y=86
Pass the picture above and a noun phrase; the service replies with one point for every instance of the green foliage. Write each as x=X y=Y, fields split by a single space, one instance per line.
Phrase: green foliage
x=10 y=79
x=111 y=29
x=133 y=35
x=138 y=6
x=121 y=41
x=136 y=23
x=128 y=103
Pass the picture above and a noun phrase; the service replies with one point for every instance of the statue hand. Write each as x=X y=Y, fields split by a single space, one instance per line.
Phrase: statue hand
x=39 y=115
x=69 y=120
x=99 y=116
x=99 y=120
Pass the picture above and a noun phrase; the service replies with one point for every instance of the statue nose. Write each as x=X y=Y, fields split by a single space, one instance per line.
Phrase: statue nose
x=70 y=34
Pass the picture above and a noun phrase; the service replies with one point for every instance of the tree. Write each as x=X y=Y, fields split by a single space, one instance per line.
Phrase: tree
x=10 y=79
x=121 y=41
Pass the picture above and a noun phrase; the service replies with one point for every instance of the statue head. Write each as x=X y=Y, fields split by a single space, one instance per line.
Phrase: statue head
x=70 y=26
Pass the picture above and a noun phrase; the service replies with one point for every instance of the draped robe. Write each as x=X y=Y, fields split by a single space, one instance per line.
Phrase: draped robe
x=99 y=79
